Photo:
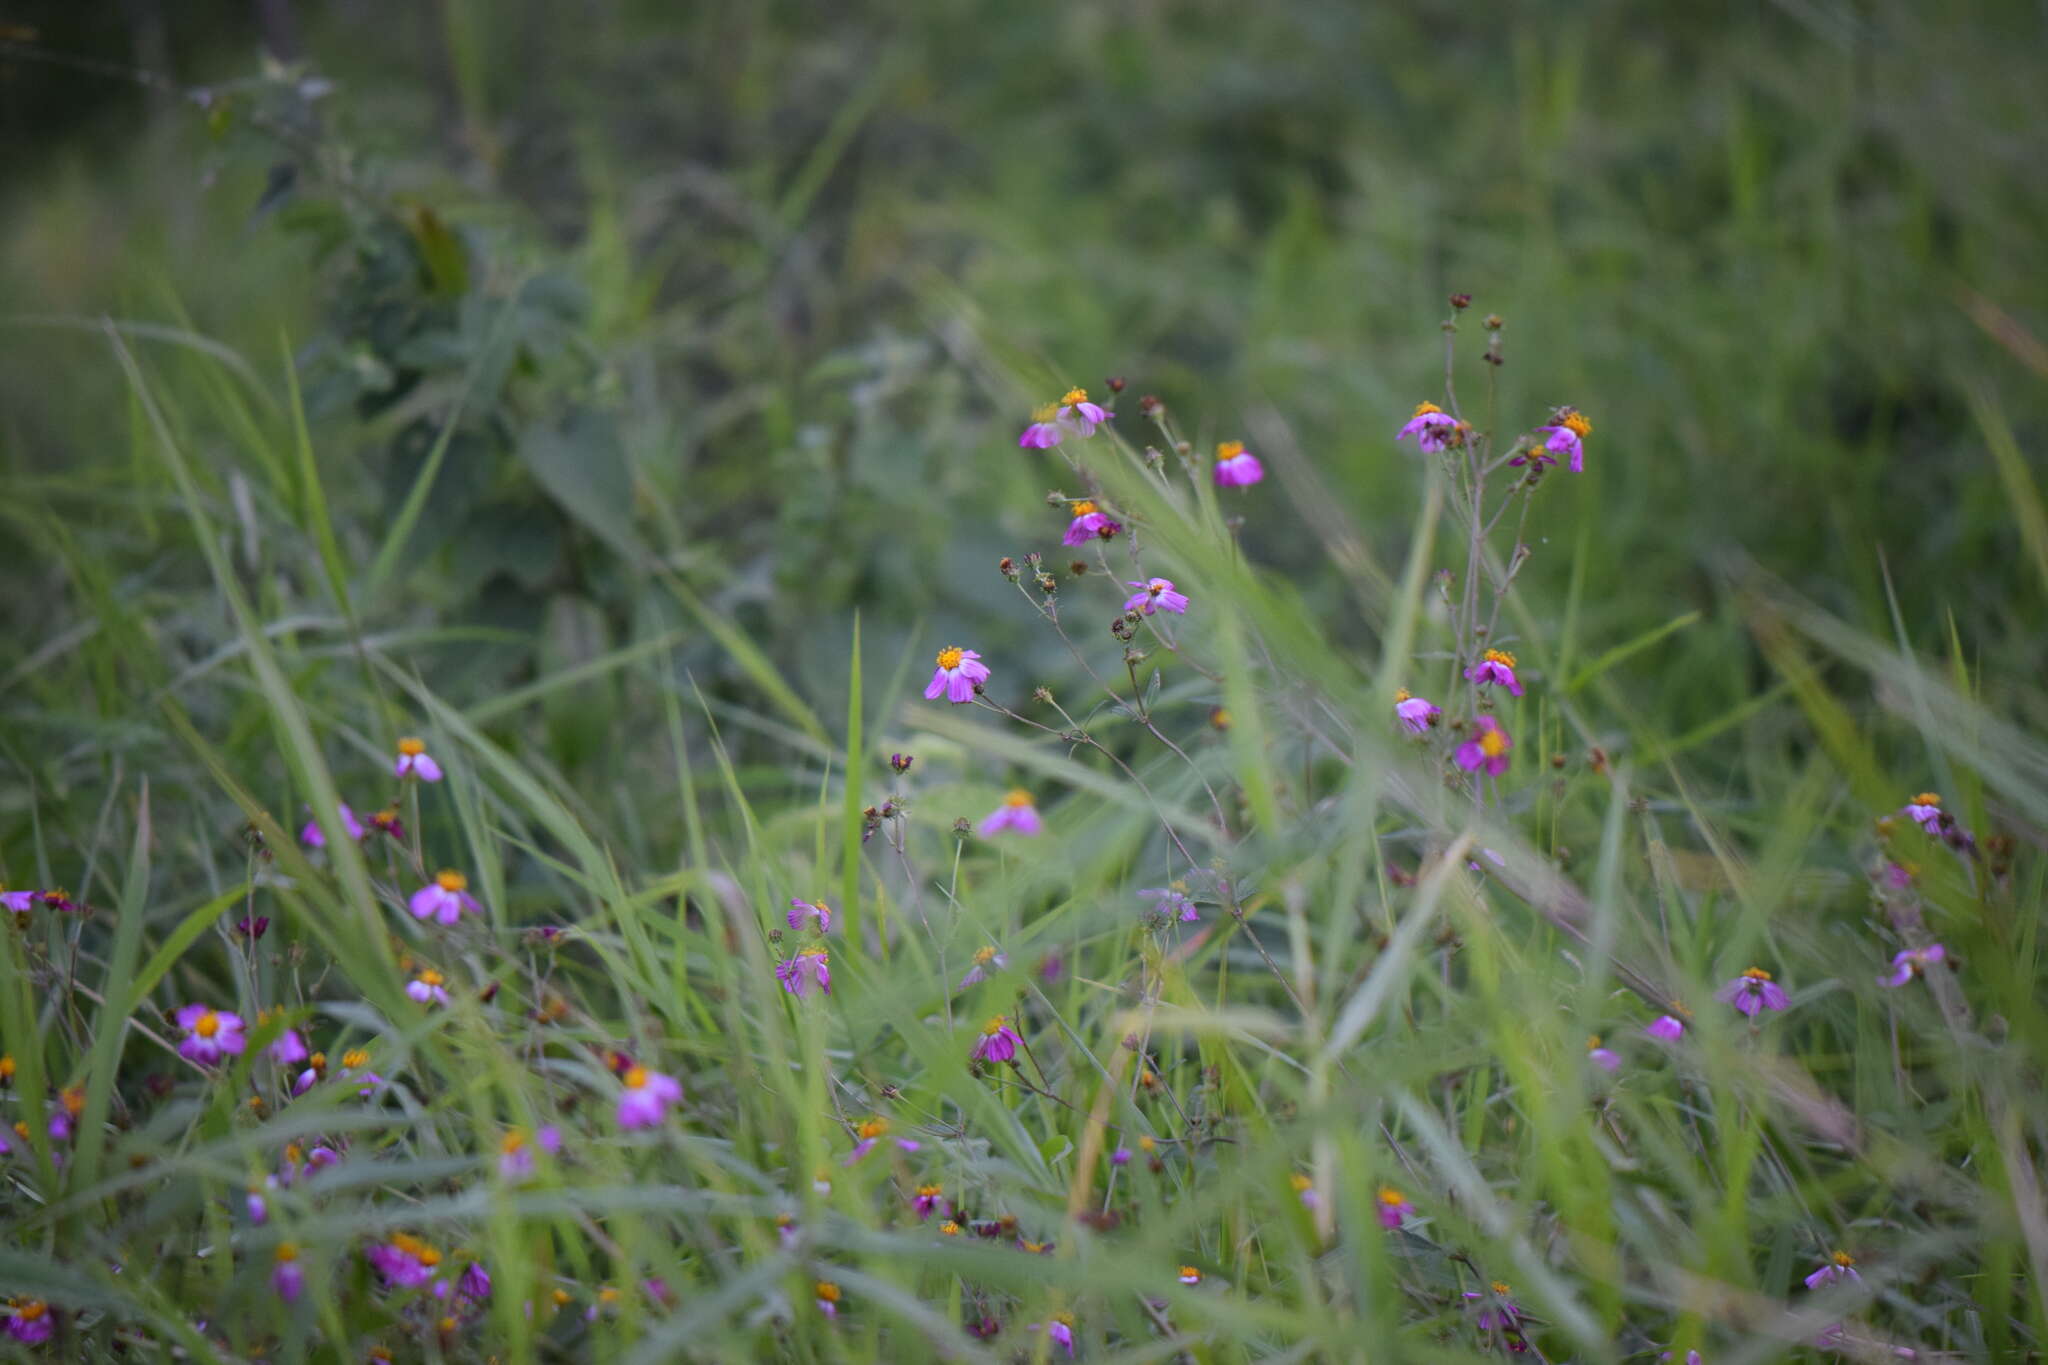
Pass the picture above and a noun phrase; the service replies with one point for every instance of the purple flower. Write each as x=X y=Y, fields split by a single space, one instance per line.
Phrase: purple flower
x=986 y=960
x=1120 y=1157
x=928 y=1200
x=1156 y=594
x=1393 y=1207
x=1911 y=962
x=1752 y=992
x=786 y=1231
x=289 y=1049
x=1090 y=523
x=257 y=1205
x=998 y=1042
x=1173 y=902
x=403 y=1262
x=414 y=761
x=1304 y=1189
x=827 y=1295
x=1502 y=1312
x=29 y=1321
x=1061 y=1330
x=1488 y=748
x=799 y=911
x=1839 y=1267
x=1432 y=428
x=1665 y=1028
x=1605 y=1058
x=1043 y=432
x=18 y=902
x=475 y=1284
x=253 y=926
x=210 y=1034
x=1495 y=666
x=1237 y=467
x=809 y=967
x=1417 y=713
x=1926 y=812
x=1018 y=812
x=515 y=1152
x=960 y=675
x=1079 y=416
x=1563 y=437
x=429 y=987
x=444 y=899
x=871 y=1132
x=288 y=1280
x=312 y=837
x=644 y=1101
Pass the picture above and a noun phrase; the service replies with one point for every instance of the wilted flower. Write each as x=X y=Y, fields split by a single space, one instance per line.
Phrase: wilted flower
x=1393 y=1207
x=288 y=1279
x=960 y=673
x=1417 y=713
x=799 y=911
x=1665 y=1028
x=444 y=898
x=1173 y=902
x=1090 y=523
x=872 y=1131
x=986 y=959
x=1432 y=428
x=1488 y=748
x=1018 y=812
x=1605 y=1058
x=1156 y=594
x=1840 y=1266
x=1753 y=992
x=253 y=926
x=210 y=1034
x=810 y=967
x=928 y=1200
x=644 y=1101
x=312 y=837
x=998 y=1042
x=429 y=987
x=1495 y=666
x=29 y=1321
x=404 y=1261
x=414 y=761
x=827 y=1294
x=1237 y=467
x=1912 y=962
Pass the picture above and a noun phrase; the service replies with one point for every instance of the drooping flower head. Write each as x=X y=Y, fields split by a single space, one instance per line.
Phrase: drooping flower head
x=927 y=1201
x=288 y=1278
x=1665 y=1028
x=1019 y=812
x=1434 y=429
x=1090 y=523
x=998 y=1041
x=1417 y=713
x=1912 y=962
x=415 y=761
x=1605 y=1058
x=444 y=899
x=960 y=675
x=1568 y=429
x=1079 y=416
x=1752 y=992
x=1061 y=1330
x=29 y=1321
x=1839 y=1267
x=1393 y=1207
x=210 y=1034
x=811 y=967
x=1495 y=666
x=870 y=1132
x=799 y=911
x=1925 y=811
x=1156 y=594
x=1172 y=903
x=312 y=837
x=1488 y=748
x=429 y=987
x=645 y=1096
x=475 y=1283
x=1237 y=467
x=1501 y=1311
x=986 y=959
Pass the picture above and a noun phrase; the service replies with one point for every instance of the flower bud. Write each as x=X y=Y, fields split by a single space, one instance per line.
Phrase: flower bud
x=901 y=762
x=1461 y=301
x=1115 y=383
x=1151 y=407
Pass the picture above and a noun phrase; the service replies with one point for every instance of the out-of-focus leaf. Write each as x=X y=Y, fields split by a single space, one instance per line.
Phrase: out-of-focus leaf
x=582 y=464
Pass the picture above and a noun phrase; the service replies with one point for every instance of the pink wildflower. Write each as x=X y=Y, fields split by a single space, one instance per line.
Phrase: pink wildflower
x=1061 y=1330
x=312 y=837
x=928 y=1200
x=414 y=761
x=1432 y=428
x=1495 y=666
x=1393 y=1207
x=799 y=911
x=1488 y=748
x=429 y=987
x=1912 y=962
x=998 y=1042
x=871 y=1132
x=210 y=1034
x=1018 y=812
x=960 y=675
x=644 y=1101
x=1417 y=713
x=1564 y=438
x=1839 y=1267
x=403 y=1261
x=444 y=898
x=1753 y=992
x=1665 y=1028
x=810 y=967
x=1605 y=1058
x=986 y=960
x=1090 y=523
x=29 y=1321
x=515 y=1151
x=1237 y=467
x=1156 y=594
x=289 y=1049
x=288 y=1280
x=827 y=1295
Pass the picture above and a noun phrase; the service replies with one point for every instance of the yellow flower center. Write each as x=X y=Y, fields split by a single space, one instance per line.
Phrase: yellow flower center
x=950 y=656
x=1230 y=450
x=30 y=1311
x=410 y=747
x=827 y=1291
x=818 y=953
x=512 y=1142
x=287 y=1251
x=430 y=977
x=1392 y=1197
x=1575 y=422
x=1756 y=974
x=1063 y=1319
x=1500 y=1288
x=1018 y=797
x=445 y=1325
x=636 y=1078
x=74 y=1100
x=873 y=1128
x=1493 y=743
x=1146 y=1144
x=984 y=956
x=1084 y=508
x=995 y=1026
x=1593 y=1042
x=1403 y=694
x=355 y=1057
x=452 y=881
x=1073 y=396
x=7 y=1068
x=949 y=1228
x=1046 y=413
x=208 y=1025
x=1927 y=799
x=1844 y=1259
x=1156 y=586
x=294 y=1154
x=1188 y=1272
x=1499 y=656
x=607 y=1295
x=562 y=1297
x=1423 y=409
x=929 y=1191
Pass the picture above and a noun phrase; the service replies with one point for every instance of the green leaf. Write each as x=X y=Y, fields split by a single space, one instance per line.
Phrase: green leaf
x=582 y=464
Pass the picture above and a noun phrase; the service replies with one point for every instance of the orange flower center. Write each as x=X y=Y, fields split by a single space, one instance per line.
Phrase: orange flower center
x=1493 y=743
x=1423 y=409
x=949 y=1228
x=287 y=1251
x=354 y=1058
x=513 y=1141
x=430 y=977
x=1499 y=656
x=1500 y=1287
x=1844 y=1259
x=208 y=1025
x=1392 y=1197
x=1019 y=797
x=636 y=1078
x=984 y=956
x=1575 y=422
x=1756 y=974
x=873 y=1128
x=1073 y=396
x=1230 y=450
x=1190 y=1274
x=950 y=656
x=828 y=1291
x=929 y=1191
x=1927 y=799
x=1403 y=694
x=30 y=1311
x=410 y=747
x=1084 y=508
x=452 y=881
x=995 y=1026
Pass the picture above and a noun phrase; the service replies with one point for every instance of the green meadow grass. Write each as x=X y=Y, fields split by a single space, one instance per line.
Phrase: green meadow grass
x=1800 y=580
